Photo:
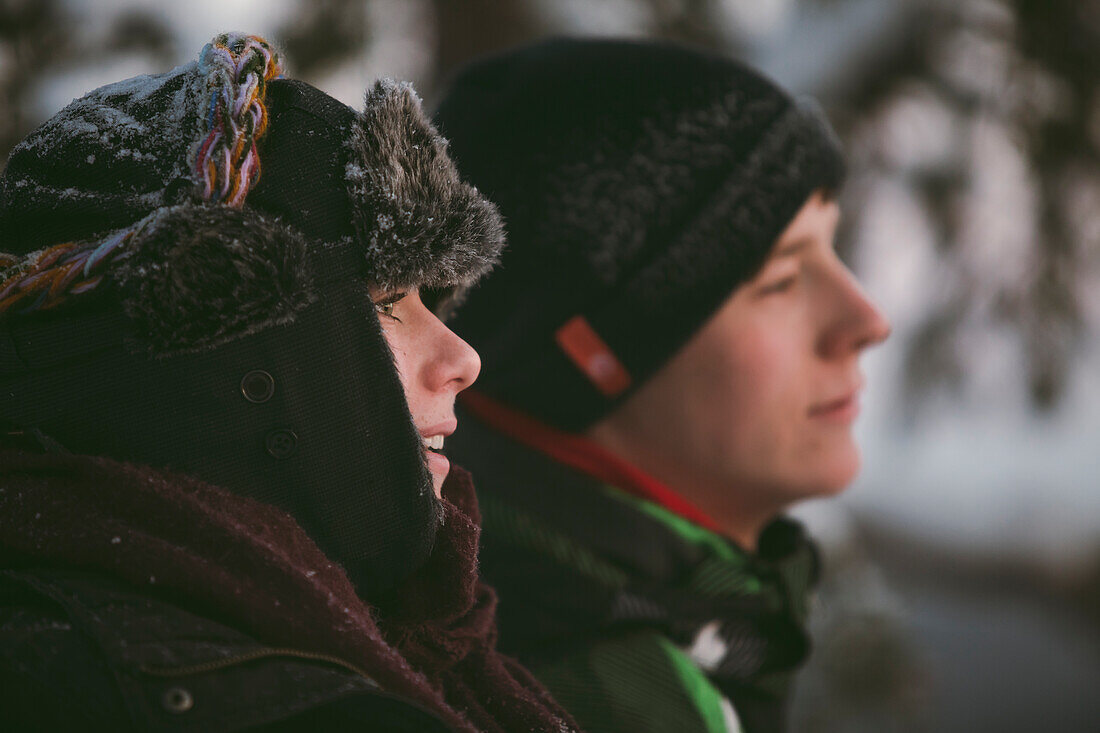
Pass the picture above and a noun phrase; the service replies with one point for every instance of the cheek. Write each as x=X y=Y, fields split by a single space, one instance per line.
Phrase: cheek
x=400 y=351
x=756 y=389
x=777 y=440
x=403 y=352
x=727 y=403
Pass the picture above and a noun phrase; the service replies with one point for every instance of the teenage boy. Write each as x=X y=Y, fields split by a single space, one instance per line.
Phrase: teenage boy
x=670 y=352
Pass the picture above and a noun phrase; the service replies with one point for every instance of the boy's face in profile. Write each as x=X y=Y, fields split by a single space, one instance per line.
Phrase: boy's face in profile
x=756 y=410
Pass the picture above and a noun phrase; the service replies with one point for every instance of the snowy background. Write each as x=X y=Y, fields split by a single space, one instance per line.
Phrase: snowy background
x=964 y=584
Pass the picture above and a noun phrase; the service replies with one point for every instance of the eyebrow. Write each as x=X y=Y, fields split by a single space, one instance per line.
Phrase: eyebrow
x=390 y=298
x=791 y=248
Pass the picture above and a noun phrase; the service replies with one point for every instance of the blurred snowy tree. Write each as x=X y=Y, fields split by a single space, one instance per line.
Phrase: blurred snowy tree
x=1062 y=38
x=39 y=38
x=141 y=31
x=322 y=34
x=34 y=36
x=975 y=139
x=472 y=28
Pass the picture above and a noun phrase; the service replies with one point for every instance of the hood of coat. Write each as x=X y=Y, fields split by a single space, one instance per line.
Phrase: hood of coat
x=190 y=257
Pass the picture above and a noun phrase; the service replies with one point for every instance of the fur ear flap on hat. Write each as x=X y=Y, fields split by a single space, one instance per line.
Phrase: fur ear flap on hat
x=422 y=226
x=199 y=275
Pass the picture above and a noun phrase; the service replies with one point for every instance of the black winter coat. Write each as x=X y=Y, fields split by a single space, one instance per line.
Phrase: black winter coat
x=79 y=651
x=133 y=599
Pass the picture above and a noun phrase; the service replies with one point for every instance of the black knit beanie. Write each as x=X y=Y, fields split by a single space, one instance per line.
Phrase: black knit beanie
x=186 y=285
x=640 y=183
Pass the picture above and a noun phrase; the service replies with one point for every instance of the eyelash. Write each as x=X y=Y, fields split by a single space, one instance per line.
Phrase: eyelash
x=781 y=285
x=385 y=306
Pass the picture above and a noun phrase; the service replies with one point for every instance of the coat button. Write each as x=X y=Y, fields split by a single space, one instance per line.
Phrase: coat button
x=258 y=386
x=178 y=700
x=281 y=443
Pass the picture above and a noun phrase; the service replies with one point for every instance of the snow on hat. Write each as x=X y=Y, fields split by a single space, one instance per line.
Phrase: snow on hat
x=96 y=192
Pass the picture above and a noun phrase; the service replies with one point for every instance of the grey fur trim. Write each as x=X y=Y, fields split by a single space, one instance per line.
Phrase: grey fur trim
x=200 y=275
x=420 y=224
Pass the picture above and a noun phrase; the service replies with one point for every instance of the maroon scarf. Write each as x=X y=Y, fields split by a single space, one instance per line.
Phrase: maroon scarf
x=432 y=641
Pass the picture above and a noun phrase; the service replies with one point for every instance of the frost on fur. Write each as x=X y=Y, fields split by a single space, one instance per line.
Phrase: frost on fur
x=419 y=223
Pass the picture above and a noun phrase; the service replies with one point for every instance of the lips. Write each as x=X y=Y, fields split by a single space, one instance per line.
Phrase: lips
x=434 y=435
x=433 y=438
x=842 y=409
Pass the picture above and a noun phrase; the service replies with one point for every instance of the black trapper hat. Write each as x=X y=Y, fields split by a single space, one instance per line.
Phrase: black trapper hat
x=186 y=286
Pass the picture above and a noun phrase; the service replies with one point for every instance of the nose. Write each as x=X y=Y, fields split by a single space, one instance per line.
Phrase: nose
x=454 y=365
x=856 y=323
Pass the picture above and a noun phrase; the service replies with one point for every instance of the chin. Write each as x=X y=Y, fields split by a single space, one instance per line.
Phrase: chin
x=839 y=472
x=437 y=485
x=827 y=474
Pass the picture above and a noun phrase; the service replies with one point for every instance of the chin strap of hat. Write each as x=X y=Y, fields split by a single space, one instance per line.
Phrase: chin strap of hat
x=226 y=165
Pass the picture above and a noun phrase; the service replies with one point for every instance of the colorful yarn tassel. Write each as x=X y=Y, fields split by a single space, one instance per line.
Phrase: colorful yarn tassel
x=237 y=69
x=47 y=277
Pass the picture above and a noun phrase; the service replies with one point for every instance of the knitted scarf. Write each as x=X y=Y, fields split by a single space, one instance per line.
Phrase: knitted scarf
x=431 y=641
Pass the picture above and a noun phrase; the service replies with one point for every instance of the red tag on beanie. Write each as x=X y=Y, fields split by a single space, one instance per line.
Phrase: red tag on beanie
x=592 y=356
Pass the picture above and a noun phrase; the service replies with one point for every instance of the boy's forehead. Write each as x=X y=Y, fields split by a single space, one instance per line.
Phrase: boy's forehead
x=817 y=217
